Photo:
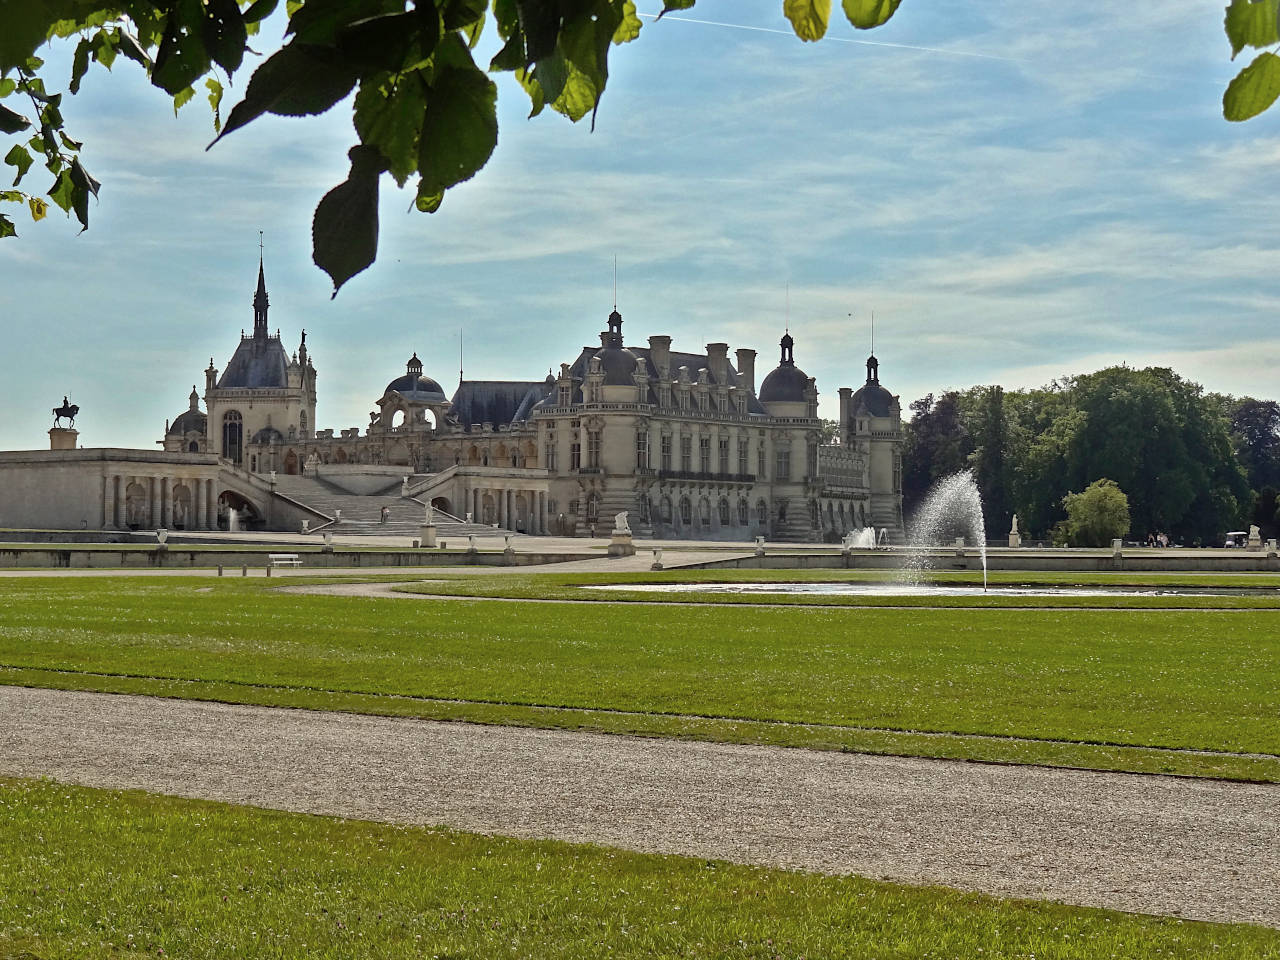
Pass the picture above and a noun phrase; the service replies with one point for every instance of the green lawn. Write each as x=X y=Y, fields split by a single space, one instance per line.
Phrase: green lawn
x=1122 y=689
x=91 y=874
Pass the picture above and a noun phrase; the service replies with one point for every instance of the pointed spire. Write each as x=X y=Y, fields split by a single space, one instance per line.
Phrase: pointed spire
x=260 y=301
x=788 y=352
x=194 y=398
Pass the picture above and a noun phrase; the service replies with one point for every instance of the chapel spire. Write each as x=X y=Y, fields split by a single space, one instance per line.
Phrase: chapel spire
x=260 y=301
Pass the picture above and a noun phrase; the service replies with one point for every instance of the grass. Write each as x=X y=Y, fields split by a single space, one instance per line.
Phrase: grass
x=1126 y=690
x=96 y=874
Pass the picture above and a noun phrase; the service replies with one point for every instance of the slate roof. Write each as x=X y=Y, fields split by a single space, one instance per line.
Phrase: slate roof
x=494 y=401
x=258 y=363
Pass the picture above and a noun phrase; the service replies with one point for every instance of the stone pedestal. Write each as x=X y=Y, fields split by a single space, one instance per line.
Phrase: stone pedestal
x=620 y=545
x=63 y=438
x=657 y=560
x=428 y=531
x=1015 y=539
x=1255 y=538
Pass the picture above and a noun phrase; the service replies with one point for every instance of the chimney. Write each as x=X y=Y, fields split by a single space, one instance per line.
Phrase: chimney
x=660 y=352
x=747 y=369
x=718 y=361
x=845 y=394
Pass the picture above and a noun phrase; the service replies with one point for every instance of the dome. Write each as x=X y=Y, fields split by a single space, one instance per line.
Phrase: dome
x=786 y=383
x=417 y=388
x=618 y=363
x=878 y=401
x=189 y=421
x=414 y=386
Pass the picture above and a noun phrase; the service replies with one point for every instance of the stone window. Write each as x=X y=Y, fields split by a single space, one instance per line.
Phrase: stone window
x=783 y=469
x=686 y=454
x=644 y=509
x=722 y=448
x=704 y=513
x=593 y=448
x=566 y=395
x=744 y=512
x=233 y=436
x=743 y=457
x=724 y=512
x=666 y=452
x=762 y=512
x=575 y=455
x=704 y=454
x=666 y=509
x=642 y=450
x=761 y=460
x=686 y=511
x=549 y=452
x=593 y=508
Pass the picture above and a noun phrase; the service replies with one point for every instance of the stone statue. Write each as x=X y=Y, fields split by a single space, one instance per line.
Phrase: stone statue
x=428 y=516
x=1015 y=538
x=620 y=525
x=1015 y=524
x=67 y=410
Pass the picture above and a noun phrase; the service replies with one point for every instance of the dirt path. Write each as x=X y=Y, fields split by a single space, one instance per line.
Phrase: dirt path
x=1198 y=849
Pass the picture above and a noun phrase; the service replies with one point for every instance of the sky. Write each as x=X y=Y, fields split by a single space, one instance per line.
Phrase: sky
x=1019 y=190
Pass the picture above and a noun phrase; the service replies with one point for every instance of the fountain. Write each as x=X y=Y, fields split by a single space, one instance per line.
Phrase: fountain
x=951 y=511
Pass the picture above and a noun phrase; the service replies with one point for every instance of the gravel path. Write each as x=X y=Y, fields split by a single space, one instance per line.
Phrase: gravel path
x=1198 y=849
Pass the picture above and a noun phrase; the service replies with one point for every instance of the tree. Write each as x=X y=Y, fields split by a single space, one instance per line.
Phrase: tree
x=1255 y=433
x=935 y=444
x=1097 y=515
x=1252 y=23
x=423 y=109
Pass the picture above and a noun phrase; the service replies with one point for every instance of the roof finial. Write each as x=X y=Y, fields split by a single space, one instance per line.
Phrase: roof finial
x=615 y=283
x=260 y=301
x=788 y=313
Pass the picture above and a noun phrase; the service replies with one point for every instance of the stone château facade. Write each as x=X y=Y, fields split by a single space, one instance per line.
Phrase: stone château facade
x=684 y=442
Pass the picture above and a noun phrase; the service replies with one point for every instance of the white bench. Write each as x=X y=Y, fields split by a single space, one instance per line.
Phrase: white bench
x=284 y=560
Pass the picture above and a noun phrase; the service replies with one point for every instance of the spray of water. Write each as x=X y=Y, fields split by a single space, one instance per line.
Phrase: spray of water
x=951 y=510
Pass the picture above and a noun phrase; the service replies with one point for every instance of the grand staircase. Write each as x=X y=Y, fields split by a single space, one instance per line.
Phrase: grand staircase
x=361 y=515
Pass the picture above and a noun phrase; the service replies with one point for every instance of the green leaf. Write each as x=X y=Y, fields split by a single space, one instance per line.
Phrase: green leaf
x=460 y=126
x=12 y=196
x=104 y=48
x=215 y=101
x=7 y=228
x=69 y=143
x=182 y=98
x=578 y=96
x=389 y=117
x=808 y=18
x=462 y=13
x=630 y=26
x=224 y=34
x=38 y=208
x=383 y=41
x=1254 y=88
x=7 y=86
x=344 y=231
x=20 y=158
x=540 y=22
x=865 y=14
x=63 y=191
x=260 y=10
x=80 y=64
x=131 y=48
x=298 y=80
x=676 y=5
x=1250 y=24
x=428 y=202
x=11 y=122
x=320 y=21
x=181 y=59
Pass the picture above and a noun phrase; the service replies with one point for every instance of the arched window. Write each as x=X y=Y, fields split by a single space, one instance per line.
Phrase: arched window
x=744 y=512
x=724 y=512
x=233 y=436
x=593 y=507
x=644 y=509
x=666 y=509
x=762 y=512
x=193 y=447
x=303 y=424
x=704 y=512
x=782 y=511
x=686 y=511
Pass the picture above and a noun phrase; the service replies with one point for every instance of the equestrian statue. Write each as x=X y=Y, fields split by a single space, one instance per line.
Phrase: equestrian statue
x=67 y=410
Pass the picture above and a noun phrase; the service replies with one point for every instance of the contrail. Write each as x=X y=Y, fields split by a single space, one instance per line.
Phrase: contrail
x=865 y=43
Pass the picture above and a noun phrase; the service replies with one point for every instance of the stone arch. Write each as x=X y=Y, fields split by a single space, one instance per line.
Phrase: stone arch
x=183 y=515
x=686 y=512
x=137 y=506
x=291 y=462
x=723 y=509
x=667 y=512
x=248 y=517
x=443 y=505
x=762 y=512
x=340 y=456
x=193 y=447
x=473 y=456
x=744 y=512
x=704 y=512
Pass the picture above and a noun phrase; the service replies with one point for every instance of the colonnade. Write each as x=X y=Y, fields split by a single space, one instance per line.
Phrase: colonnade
x=155 y=504
x=505 y=513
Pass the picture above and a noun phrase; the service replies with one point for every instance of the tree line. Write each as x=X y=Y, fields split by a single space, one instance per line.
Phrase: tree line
x=1193 y=464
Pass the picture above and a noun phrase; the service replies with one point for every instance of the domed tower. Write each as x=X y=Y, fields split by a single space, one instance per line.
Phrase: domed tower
x=871 y=423
x=788 y=391
x=612 y=369
x=188 y=432
x=413 y=395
